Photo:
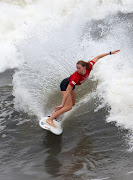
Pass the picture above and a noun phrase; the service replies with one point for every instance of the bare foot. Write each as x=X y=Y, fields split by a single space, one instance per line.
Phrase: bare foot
x=50 y=122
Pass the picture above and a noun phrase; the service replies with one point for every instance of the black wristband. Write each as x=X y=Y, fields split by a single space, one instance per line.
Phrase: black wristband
x=110 y=52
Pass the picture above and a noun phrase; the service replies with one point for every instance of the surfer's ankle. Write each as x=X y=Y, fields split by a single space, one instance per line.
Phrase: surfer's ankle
x=50 y=122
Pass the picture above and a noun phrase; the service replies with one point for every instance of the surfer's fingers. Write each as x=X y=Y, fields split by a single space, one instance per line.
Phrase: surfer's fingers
x=117 y=51
x=114 y=52
x=57 y=108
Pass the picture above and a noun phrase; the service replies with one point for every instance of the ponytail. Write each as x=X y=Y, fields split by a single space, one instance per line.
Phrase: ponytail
x=83 y=63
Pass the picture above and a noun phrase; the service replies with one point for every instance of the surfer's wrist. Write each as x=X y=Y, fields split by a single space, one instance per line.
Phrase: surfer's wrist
x=114 y=52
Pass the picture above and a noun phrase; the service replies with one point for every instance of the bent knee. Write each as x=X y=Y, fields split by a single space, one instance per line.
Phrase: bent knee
x=69 y=108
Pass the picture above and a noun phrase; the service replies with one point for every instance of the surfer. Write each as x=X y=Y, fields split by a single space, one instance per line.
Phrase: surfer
x=67 y=86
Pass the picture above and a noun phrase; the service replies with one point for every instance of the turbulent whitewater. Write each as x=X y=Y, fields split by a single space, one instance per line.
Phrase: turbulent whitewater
x=46 y=45
x=40 y=43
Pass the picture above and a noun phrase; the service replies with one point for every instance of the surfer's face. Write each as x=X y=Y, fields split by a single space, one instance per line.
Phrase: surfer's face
x=81 y=69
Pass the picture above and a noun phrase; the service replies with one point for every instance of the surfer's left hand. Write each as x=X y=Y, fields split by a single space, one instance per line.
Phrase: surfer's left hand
x=114 y=52
x=58 y=107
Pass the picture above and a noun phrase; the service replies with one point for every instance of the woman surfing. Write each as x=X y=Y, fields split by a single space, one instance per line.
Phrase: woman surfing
x=67 y=86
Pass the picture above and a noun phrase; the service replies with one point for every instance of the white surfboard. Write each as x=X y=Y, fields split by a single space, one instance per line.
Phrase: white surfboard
x=56 y=130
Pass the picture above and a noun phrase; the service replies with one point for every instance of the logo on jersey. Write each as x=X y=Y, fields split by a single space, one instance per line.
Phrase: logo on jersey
x=91 y=63
x=73 y=83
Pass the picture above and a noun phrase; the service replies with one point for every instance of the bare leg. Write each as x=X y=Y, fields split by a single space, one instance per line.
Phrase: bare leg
x=67 y=107
x=73 y=93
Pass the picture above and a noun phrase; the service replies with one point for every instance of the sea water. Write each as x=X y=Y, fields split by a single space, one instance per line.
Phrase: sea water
x=40 y=43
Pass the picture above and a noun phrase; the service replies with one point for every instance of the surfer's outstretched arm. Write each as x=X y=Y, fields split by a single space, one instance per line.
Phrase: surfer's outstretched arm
x=103 y=55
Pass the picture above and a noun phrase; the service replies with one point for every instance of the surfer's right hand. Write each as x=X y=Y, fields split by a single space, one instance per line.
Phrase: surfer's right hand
x=58 y=107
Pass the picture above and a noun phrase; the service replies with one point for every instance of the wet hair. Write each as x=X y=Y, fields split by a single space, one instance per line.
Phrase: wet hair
x=84 y=64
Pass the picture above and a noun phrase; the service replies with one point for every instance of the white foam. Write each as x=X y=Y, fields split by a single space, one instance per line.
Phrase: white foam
x=3 y=135
x=50 y=37
x=9 y=57
x=22 y=122
x=16 y=17
x=115 y=77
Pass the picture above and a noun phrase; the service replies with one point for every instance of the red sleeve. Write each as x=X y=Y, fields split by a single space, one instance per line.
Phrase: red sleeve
x=73 y=82
x=91 y=64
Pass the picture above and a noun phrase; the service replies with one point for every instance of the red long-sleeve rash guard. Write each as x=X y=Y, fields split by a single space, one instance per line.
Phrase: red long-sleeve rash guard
x=78 y=79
